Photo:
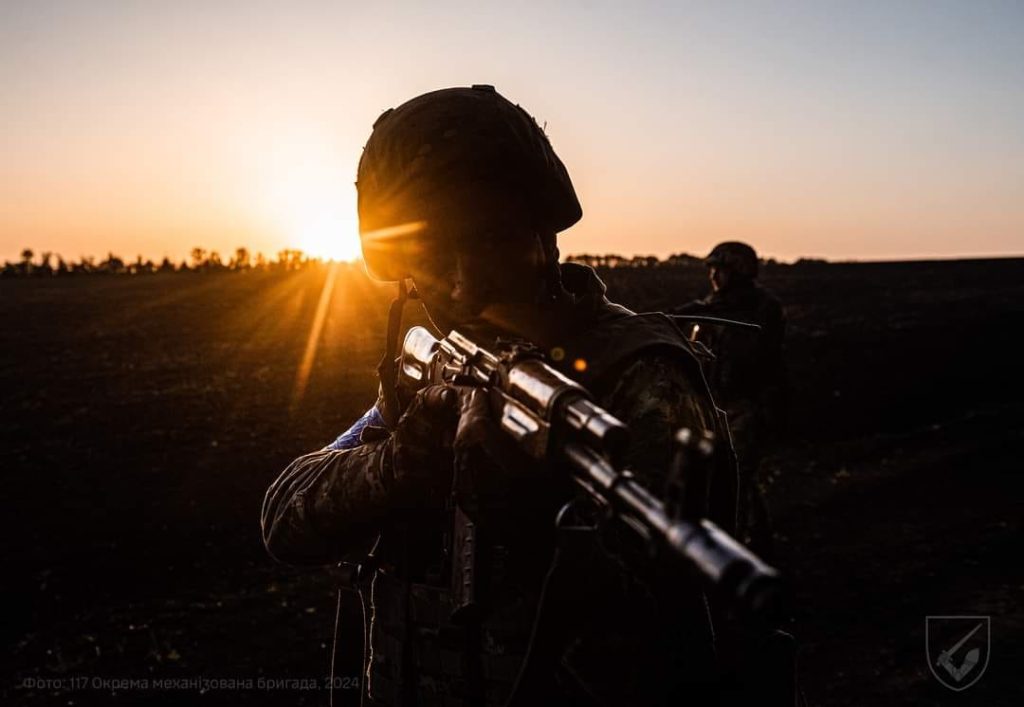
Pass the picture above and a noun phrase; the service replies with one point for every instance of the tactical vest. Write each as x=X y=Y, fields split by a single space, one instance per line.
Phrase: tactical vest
x=416 y=655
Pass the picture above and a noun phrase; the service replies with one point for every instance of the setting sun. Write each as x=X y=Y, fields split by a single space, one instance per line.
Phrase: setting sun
x=311 y=200
x=324 y=232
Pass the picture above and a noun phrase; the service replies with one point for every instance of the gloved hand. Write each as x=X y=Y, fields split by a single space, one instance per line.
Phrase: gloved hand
x=448 y=428
x=421 y=444
x=486 y=459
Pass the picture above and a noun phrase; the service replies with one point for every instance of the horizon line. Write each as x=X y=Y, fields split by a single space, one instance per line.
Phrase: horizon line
x=273 y=257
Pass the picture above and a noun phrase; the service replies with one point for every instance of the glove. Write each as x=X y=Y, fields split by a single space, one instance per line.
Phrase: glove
x=421 y=445
x=448 y=428
x=486 y=460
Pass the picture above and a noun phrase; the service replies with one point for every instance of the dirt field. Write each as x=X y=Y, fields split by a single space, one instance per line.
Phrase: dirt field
x=143 y=418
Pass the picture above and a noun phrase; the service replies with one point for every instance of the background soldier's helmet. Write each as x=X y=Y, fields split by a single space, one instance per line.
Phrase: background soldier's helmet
x=734 y=256
x=463 y=157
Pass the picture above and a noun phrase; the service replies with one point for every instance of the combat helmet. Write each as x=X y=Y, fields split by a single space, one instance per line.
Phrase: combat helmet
x=735 y=256
x=463 y=151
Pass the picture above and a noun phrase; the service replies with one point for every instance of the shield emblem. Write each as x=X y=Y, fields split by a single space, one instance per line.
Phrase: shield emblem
x=957 y=648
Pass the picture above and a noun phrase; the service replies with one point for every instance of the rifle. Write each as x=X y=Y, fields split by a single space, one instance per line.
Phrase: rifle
x=552 y=418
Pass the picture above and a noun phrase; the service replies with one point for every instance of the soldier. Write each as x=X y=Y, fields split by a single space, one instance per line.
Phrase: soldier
x=747 y=375
x=461 y=192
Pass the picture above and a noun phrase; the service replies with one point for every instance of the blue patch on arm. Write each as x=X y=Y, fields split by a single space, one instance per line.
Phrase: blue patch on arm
x=349 y=439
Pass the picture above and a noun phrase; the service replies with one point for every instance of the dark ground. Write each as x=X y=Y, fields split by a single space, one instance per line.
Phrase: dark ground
x=143 y=418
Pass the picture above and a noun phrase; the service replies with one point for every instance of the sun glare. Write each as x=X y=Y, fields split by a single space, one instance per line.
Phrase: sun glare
x=324 y=232
x=312 y=203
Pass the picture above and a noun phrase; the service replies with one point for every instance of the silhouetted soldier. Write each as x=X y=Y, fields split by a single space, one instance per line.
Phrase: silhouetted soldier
x=461 y=193
x=747 y=375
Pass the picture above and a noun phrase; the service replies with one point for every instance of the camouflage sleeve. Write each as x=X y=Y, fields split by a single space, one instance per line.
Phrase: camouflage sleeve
x=655 y=395
x=328 y=504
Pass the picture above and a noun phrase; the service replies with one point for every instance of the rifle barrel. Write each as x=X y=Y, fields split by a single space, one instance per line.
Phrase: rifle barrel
x=732 y=572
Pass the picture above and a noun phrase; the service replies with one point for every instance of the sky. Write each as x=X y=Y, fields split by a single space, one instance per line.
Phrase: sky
x=845 y=130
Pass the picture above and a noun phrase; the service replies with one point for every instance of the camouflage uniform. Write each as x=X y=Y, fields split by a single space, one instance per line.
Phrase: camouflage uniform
x=612 y=633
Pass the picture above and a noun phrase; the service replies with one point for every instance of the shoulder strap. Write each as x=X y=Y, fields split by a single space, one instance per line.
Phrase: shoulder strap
x=387 y=369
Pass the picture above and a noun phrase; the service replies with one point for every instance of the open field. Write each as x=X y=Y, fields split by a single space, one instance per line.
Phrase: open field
x=143 y=418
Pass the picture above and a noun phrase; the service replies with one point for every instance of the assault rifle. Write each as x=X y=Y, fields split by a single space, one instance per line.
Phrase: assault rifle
x=552 y=418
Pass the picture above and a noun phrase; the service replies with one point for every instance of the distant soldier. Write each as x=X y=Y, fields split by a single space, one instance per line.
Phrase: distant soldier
x=747 y=375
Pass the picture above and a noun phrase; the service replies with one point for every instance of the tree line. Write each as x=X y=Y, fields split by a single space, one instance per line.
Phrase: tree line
x=200 y=260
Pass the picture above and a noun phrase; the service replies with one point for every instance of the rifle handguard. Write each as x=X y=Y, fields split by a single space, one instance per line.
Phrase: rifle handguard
x=551 y=416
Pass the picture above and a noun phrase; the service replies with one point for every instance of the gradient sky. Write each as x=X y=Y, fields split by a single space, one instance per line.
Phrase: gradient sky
x=867 y=130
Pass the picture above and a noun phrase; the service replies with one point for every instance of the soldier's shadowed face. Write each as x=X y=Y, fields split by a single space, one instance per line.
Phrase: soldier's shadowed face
x=466 y=279
x=720 y=278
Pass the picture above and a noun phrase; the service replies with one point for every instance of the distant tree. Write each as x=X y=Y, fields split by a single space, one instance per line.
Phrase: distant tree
x=241 y=261
x=25 y=267
x=113 y=265
x=684 y=260
x=46 y=262
x=584 y=259
x=198 y=258
x=140 y=266
x=166 y=265
x=290 y=259
x=642 y=261
x=85 y=264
